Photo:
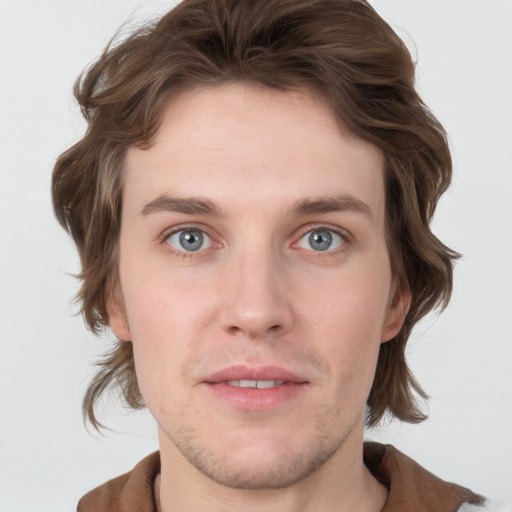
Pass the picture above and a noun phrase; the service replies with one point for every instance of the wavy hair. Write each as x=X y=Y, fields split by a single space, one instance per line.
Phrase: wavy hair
x=341 y=49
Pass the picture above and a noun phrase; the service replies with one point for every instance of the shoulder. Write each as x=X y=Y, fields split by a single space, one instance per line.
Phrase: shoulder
x=410 y=486
x=131 y=492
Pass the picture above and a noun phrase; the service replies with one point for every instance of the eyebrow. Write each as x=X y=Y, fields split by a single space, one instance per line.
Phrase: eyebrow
x=187 y=205
x=197 y=206
x=343 y=203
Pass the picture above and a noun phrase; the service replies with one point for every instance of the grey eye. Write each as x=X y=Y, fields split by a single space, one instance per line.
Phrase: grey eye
x=189 y=240
x=321 y=240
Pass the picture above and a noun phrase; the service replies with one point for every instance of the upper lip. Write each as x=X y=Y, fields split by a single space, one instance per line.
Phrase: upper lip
x=242 y=372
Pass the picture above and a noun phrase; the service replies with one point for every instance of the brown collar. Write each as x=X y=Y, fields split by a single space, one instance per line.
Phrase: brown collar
x=410 y=487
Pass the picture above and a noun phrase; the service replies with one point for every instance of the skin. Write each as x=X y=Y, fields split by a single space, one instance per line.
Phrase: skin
x=257 y=293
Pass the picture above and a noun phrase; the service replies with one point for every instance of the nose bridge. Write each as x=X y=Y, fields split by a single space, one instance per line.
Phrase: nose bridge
x=255 y=297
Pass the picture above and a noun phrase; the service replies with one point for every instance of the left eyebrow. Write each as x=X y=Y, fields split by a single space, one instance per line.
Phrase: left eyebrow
x=343 y=203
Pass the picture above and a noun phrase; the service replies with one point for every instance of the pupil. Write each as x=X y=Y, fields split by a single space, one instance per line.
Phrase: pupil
x=320 y=240
x=191 y=240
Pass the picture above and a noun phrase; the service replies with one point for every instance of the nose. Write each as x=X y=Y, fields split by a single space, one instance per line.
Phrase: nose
x=255 y=296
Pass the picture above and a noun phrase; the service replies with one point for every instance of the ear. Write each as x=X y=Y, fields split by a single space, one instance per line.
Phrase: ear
x=117 y=318
x=398 y=307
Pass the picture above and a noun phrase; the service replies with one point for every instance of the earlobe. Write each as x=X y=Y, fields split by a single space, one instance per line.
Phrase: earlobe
x=400 y=302
x=117 y=315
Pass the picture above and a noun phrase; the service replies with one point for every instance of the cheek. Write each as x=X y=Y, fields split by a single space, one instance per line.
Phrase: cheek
x=161 y=299
x=162 y=323
x=354 y=304
x=347 y=320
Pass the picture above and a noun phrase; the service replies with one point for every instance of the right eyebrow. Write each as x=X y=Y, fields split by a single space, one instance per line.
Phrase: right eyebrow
x=187 y=205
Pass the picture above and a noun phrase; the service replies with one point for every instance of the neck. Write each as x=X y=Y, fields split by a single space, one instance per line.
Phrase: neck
x=342 y=484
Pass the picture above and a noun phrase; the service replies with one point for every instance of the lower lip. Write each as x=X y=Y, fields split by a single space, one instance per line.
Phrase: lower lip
x=256 y=399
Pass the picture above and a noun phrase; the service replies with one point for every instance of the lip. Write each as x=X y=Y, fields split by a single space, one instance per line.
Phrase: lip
x=242 y=372
x=251 y=399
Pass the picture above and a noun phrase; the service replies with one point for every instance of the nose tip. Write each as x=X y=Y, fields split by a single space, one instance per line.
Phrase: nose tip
x=256 y=304
x=255 y=325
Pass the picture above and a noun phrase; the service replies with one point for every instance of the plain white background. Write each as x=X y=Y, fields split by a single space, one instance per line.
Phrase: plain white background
x=463 y=358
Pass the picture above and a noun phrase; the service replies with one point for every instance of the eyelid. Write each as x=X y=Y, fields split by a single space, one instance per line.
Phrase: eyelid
x=171 y=230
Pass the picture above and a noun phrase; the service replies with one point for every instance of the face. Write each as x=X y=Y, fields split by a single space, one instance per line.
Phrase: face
x=254 y=282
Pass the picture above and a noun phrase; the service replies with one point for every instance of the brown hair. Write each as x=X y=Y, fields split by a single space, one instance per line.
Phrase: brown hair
x=341 y=49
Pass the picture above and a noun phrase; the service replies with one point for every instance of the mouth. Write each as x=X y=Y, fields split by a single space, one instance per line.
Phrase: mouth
x=261 y=388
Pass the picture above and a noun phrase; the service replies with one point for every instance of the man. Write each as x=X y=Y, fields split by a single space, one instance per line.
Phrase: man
x=251 y=205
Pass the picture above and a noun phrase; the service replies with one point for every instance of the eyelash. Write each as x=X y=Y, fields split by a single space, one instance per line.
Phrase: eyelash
x=345 y=236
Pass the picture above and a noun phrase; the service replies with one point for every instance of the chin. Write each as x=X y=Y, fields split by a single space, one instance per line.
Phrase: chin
x=267 y=464
x=274 y=474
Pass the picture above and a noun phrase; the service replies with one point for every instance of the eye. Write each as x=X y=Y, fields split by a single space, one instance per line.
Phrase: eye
x=189 y=240
x=321 y=240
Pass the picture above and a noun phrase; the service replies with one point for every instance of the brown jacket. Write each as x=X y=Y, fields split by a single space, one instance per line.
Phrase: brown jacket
x=411 y=488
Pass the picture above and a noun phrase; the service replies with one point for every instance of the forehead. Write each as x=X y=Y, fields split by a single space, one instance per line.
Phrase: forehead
x=231 y=141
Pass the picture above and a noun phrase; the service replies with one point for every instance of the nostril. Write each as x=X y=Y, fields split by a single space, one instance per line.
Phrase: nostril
x=254 y=333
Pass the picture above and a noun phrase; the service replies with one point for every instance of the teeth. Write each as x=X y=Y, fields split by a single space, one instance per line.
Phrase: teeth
x=263 y=384
x=259 y=384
